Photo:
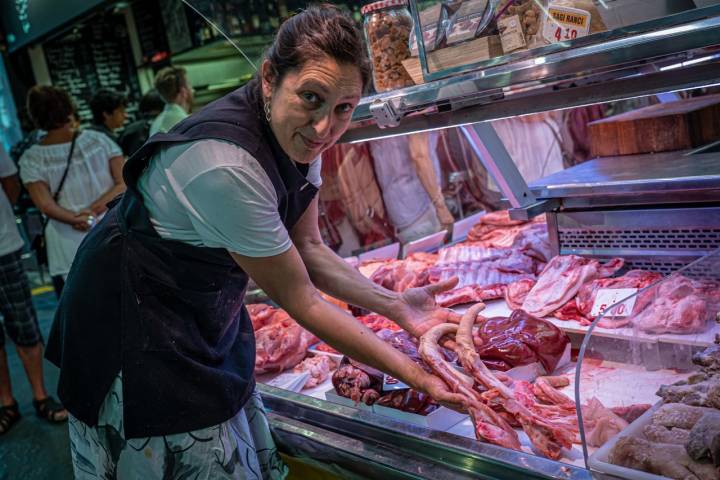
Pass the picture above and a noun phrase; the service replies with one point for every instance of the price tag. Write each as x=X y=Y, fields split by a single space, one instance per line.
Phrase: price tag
x=565 y=23
x=608 y=297
x=391 y=384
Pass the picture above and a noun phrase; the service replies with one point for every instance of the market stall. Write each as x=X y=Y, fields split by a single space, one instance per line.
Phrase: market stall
x=600 y=283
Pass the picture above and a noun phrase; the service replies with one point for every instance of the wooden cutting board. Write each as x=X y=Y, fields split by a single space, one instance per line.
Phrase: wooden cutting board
x=663 y=127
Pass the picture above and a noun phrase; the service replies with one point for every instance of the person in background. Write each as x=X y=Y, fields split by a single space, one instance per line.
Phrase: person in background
x=18 y=313
x=408 y=171
x=92 y=177
x=108 y=111
x=135 y=134
x=173 y=86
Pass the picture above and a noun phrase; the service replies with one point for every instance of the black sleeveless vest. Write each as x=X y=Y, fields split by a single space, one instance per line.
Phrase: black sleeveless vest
x=168 y=314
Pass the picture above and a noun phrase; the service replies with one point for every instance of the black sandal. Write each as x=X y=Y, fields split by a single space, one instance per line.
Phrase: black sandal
x=50 y=410
x=9 y=416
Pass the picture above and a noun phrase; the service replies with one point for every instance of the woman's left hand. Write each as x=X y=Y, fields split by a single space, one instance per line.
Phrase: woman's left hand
x=418 y=312
x=441 y=393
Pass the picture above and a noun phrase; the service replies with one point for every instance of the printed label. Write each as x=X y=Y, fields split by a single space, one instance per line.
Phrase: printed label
x=391 y=383
x=566 y=23
x=608 y=297
x=511 y=35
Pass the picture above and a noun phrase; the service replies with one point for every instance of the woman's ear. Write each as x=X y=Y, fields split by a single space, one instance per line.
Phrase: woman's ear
x=267 y=75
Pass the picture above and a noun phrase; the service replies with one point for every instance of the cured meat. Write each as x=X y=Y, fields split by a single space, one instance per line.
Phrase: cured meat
x=677 y=415
x=704 y=438
x=470 y=294
x=678 y=305
x=516 y=293
x=701 y=394
x=561 y=279
x=319 y=368
x=660 y=434
x=661 y=459
x=520 y=339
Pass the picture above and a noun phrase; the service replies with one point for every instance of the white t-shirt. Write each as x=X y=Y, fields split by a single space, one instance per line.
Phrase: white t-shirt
x=88 y=178
x=213 y=193
x=10 y=239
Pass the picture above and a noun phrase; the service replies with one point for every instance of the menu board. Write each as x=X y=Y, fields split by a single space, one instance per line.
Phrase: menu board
x=97 y=55
x=150 y=31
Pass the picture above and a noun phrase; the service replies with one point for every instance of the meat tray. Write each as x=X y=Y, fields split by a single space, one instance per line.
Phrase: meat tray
x=441 y=419
x=598 y=461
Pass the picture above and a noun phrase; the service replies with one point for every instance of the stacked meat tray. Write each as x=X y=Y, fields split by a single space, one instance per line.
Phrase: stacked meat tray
x=514 y=355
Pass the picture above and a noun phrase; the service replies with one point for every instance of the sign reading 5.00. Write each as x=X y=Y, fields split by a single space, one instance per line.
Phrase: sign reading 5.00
x=565 y=23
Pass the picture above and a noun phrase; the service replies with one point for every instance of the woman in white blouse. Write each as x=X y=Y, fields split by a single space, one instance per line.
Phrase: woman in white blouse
x=94 y=176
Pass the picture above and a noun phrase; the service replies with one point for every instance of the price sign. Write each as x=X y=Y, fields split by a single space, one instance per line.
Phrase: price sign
x=391 y=383
x=566 y=23
x=608 y=298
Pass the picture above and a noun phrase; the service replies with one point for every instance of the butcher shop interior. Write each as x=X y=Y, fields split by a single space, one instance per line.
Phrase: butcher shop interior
x=545 y=172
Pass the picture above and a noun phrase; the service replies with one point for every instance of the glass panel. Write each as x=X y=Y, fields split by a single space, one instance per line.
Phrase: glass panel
x=643 y=351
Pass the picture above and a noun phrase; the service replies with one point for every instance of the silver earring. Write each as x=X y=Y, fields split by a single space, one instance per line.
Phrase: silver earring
x=266 y=107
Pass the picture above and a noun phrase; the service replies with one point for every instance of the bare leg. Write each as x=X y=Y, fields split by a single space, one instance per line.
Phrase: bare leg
x=32 y=359
x=6 y=396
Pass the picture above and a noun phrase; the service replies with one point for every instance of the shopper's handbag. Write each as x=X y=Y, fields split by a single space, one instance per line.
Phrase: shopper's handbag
x=38 y=244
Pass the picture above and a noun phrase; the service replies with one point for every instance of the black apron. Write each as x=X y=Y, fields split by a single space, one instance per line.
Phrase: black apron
x=168 y=314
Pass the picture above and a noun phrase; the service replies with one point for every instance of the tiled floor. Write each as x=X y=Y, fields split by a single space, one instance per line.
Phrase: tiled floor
x=35 y=449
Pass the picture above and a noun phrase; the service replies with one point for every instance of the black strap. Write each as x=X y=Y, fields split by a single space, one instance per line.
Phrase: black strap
x=64 y=177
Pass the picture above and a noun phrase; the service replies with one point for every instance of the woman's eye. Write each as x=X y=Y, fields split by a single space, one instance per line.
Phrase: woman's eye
x=345 y=108
x=310 y=97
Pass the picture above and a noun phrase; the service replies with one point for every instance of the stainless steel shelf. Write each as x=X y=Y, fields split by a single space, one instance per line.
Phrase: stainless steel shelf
x=670 y=174
x=672 y=53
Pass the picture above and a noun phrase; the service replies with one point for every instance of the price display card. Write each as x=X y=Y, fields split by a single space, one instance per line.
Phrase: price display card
x=608 y=297
x=565 y=23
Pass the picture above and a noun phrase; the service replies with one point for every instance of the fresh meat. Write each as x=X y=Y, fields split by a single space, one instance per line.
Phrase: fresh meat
x=633 y=279
x=497 y=230
x=520 y=339
x=470 y=294
x=561 y=280
x=601 y=424
x=546 y=436
x=679 y=305
x=399 y=275
x=545 y=389
x=517 y=291
x=408 y=400
x=660 y=434
x=319 y=368
x=489 y=425
x=660 y=459
x=281 y=345
x=632 y=412
x=358 y=382
x=377 y=322
x=261 y=314
x=704 y=438
x=475 y=265
x=324 y=347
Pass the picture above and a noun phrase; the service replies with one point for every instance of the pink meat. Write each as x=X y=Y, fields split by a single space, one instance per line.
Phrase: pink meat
x=517 y=291
x=319 y=368
x=633 y=279
x=470 y=294
x=281 y=344
x=561 y=280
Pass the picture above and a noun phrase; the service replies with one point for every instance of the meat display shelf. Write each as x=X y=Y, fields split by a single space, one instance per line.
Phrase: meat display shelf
x=499 y=308
x=677 y=52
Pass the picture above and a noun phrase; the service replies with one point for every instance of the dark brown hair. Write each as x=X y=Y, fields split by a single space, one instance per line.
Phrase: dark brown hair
x=320 y=30
x=49 y=107
x=169 y=81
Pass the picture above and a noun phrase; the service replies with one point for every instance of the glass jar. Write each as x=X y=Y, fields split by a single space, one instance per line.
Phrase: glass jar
x=388 y=26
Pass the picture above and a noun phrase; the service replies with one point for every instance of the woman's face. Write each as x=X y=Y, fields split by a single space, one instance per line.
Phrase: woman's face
x=311 y=108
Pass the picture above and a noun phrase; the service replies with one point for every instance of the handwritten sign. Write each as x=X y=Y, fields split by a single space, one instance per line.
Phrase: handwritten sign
x=609 y=297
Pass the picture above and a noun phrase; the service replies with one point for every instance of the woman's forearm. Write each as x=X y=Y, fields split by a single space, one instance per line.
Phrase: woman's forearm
x=99 y=206
x=56 y=212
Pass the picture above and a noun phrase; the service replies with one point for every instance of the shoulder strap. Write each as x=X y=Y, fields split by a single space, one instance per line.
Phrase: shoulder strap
x=67 y=167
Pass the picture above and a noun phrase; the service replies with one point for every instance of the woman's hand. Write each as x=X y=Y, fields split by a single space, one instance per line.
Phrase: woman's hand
x=417 y=311
x=81 y=220
x=439 y=391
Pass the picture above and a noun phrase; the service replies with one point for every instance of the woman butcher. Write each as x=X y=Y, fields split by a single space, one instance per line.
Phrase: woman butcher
x=155 y=346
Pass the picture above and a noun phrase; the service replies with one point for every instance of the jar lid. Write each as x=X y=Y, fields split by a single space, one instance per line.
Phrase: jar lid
x=371 y=7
